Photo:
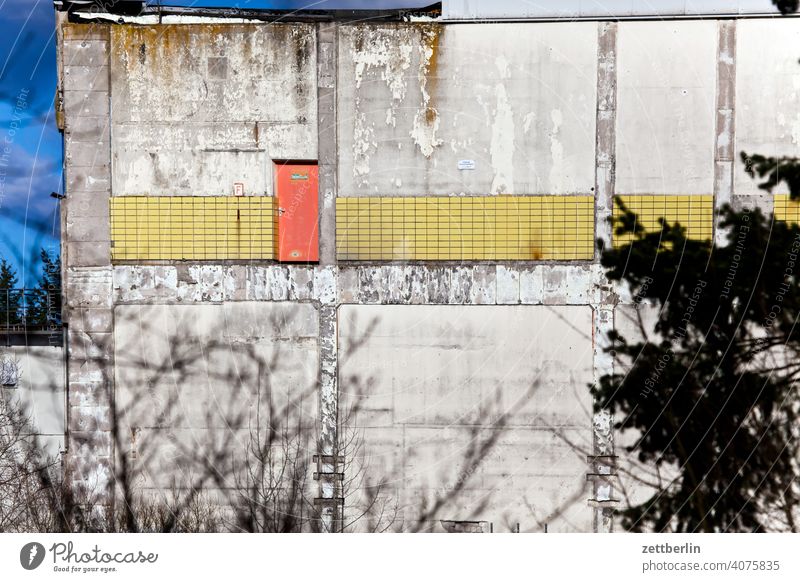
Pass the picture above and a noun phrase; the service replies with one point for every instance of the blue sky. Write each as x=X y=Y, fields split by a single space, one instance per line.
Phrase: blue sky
x=297 y=4
x=30 y=144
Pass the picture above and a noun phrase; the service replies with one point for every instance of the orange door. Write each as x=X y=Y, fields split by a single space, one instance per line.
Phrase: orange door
x=296 y=192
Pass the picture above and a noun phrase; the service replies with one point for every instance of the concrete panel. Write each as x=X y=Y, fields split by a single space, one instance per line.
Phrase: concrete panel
x=193 y=380
x=666 y=107
x=39 y=392
x=767 y=94
x=87 y=78
x=199 y=107
x=484 y=407
x=85 y=53
x=491 y=9
x=636 y=323
x=165 y=159
x=81 y=103
x=88 y=287
x=517 y=99
x=89 y=254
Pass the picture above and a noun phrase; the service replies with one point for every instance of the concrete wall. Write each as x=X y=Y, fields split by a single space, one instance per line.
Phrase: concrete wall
x=39 y=392
x=414 y=100
x=433 y=385
x=500 y=9
x=665 y=111
x=194 y=381
x=636 y=478
x=178 y=128
x=389 y=110
x=197 y=108
x=767 y=94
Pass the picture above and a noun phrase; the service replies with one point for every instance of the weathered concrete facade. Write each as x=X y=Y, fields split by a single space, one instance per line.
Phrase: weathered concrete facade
x=468 y=382
x=195 y=108
x=413 y=100
x=33 y=383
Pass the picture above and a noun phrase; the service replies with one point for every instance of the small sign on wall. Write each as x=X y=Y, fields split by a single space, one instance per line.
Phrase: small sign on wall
x=238 y=188
x=466 y=164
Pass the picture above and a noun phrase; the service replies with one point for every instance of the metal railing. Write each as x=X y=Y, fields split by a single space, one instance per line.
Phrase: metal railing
x=30 y=309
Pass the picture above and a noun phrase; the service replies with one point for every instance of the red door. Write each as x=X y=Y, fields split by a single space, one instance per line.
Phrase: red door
x=296 y=192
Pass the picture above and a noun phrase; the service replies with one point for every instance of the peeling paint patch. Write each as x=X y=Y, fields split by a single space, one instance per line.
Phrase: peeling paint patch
x=205 y=283
x=602 y=427
x=426 y=120
x=460 y=285
x=437 y=284
x=503 y=67
x=363 y=134
x=368 y=277
x=558 y=285
x=545 y=284
x=225 y=81
x=528 y=121
x=603 y=325
x=348 y=285
x=328 y=350
x=502 y=144
x=325 y=285
x=278 y=283
x=140 y=283
x=556 y=152
x=484 y=285
x=507 y=285
x=396 y=290
x=235 y=283
x=301 y=283
x=796 y=130
x=426 y=124
x=257 y=284
x=389 y=50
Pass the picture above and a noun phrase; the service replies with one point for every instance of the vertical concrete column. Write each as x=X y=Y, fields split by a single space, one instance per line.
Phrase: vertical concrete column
x=87 y=264
x=605 y=147
x=328 y=461
x=724 y=137
x=602 y=462
x=601 y=471
x=327 y=140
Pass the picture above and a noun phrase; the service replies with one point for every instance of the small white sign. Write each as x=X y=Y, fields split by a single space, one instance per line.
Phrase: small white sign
x=238 y=188
x=466 y=164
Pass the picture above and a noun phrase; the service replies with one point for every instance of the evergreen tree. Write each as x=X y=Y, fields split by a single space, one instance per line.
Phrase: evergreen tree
x=712 y=388
x=45 y=306
x=787 y=6
x=10 y=296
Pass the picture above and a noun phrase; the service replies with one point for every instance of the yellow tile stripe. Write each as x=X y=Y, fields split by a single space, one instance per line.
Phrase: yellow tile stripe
x=465 y=228
x=192 y=227
x=694 y=212
x=786 y=209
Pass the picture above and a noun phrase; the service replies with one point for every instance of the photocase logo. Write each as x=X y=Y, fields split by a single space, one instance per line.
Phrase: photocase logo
x=31 y=555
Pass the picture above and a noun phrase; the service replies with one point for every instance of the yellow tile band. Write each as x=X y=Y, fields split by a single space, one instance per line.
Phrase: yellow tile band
x=192 y=227
x=786 y=209
x=465 y=228
x=694 y=212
